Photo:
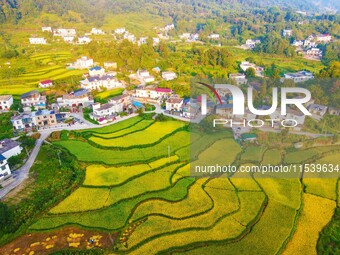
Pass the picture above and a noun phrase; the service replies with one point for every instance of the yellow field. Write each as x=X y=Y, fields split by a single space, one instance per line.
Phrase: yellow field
x=316 y=213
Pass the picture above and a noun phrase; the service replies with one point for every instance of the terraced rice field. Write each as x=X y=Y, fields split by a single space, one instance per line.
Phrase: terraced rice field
x=41 y=67
x=151 y=199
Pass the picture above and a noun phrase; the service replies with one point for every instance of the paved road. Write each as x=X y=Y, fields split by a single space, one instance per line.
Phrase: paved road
x=22 y=173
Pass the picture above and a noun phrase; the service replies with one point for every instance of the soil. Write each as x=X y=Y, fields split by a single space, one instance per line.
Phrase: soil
x=43 y=243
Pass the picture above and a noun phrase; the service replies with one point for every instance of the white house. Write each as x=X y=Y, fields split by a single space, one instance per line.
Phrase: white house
x=99 y=82
x=122 y=102
x=238 y=77
x=317 y=109
x=62 y=32
x=323 y=38
x=96 y=71
x=46 y=84
x=46 y=29
x=168 y=76
x=185 y=36
x=104 y=110
x=299 y=76
x=76 y=98
x=287 y=32
x=174 y=104
x=4 y=168
x=40 y=118
x=214 y=36
x=37 y=40
x=298 y=116
x=68 y=39
x=308 y=43
x=9 y=148
x=250 y=43
x=110 y=65
x=315 y=52
x=169 y=27
x=297 y=43
x=145 y=76
x=153 y=93
x=33 y=99
x=96 y=31
x=155 y=41
x=84 y=40
x=258 y=69
x=130 y=37
x=6 y=101
x=83 y=63
x=142 y=40
x=120 y=30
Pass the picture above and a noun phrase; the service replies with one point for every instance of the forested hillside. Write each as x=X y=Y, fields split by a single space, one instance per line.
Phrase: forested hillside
x=93 y=10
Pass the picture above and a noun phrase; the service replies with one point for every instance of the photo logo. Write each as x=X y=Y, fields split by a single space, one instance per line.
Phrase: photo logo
x=239 y=99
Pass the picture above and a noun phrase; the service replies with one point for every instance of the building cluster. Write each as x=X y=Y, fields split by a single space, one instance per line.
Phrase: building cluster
x=309 y=46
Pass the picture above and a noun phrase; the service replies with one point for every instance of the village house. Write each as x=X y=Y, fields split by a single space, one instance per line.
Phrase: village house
x=323 y=38
x=80 y=97
x=296 y=115
x=315 y=52
x=245 y=65
x=46 y=29
x=96 y=31
x=62 y=32
x=145 y=76
x=153 y=93
x=99 y=82
x=169 y=27
x=120 y=31
x=174 y=104
x=38 y=119
x=334 y=111
x=6 y=101
x=46 y=84
x=4 y=168
x=185 y=36
x=33 y=99
x=122 y=102
x=225 y=110
x=10 y=148
x=168 y=76
x=155 y=41
x=287 y=32
x=238 y=77
x=190 y=109
x=250 y=43
x=37 y=40
x=300 y=76
x=297 y=43
x=214 y=36
x=104 y=113
x=109 y=65
x=84 y=40
x=308 y=43
x=142 y=40
x=82 y=63
x=130 y=37
x=96 y=71
x=317 y=109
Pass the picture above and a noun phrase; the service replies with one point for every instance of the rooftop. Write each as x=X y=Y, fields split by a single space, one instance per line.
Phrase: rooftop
x=5 y=97
x=7 y=144
x=29 y=94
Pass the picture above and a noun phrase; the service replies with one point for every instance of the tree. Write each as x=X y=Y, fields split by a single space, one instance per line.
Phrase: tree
x=250 y=72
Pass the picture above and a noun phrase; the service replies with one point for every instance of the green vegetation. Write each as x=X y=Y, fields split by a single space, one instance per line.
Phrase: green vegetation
x=6 y=128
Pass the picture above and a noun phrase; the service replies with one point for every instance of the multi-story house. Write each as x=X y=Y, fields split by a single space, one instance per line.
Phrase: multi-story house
x=168 y=76
x=96 y=71
x=153 y=93
x=82 y=63
x=76 y=98
x=27 y=121
x=6 y=102
x=300 y=76
x=33 y=99
x=99 y=82
x=174 y=104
